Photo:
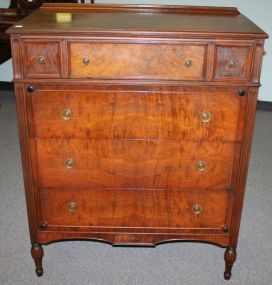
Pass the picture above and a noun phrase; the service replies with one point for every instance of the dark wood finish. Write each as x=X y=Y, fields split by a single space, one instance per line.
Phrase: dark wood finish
x=7 y=18
x=230 y=257
x=224 y=11
x=37 y=254
x=136 y=124
x=163 y=21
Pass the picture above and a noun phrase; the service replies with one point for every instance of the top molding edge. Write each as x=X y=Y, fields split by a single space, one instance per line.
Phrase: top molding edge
x=227 y=11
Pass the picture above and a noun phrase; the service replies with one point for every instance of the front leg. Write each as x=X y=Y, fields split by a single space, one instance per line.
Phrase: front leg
x=230 y=257
x=37 y=254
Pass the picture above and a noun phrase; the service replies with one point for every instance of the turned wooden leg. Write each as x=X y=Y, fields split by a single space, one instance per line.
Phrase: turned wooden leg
x=37 y=254
x=230 y=257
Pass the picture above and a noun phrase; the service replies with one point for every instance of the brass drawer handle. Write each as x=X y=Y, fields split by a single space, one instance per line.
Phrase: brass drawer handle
x=72 y=206
x=232 y=64
x=205 y=116
x=66 y=114
x=41 y=59
x=69 y=163
x=188 y=63
x=201 y=165
x=86 y=60
x=197 y=209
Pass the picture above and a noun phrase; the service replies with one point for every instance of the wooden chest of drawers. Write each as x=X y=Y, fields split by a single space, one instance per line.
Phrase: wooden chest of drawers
x=136 y=122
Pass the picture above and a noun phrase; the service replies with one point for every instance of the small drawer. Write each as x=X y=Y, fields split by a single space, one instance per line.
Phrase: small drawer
x=232 y=62
x=142 y=61
x=42 y=59
x=134 y=208
x=134 y=164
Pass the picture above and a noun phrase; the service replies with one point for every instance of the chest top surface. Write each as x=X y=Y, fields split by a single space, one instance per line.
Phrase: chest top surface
x=139 y=20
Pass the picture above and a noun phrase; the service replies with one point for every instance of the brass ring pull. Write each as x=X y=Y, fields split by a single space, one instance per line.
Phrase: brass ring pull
x=232 y=64
x=205 y=116
x=188 y=63
x=86 y=60
x=66 y=114
x=72 y=206
x=201 y=165
x=41 y=59
x=69 y=163
x=197 y=209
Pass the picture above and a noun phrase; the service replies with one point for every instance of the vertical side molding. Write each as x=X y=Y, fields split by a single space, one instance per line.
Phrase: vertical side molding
x=64 y=59
x=26 y=162
x=244 y=162
x=210 y=59
x=16 y=57
x=257 y=61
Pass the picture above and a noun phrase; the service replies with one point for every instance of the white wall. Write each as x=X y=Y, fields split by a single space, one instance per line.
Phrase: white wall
x=6 y=67
x=258 y=11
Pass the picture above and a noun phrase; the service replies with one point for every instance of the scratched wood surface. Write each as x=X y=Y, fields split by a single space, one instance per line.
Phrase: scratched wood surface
x=241 y=56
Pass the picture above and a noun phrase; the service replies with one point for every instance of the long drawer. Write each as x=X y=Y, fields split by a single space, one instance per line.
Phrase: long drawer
x=119 y=60
x=208 y=115
x=133 y=163
x=134 y=208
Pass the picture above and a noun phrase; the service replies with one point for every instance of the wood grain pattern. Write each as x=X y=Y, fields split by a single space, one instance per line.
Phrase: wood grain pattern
x=16 y=54
x=135 y=133
x=134 y=164
x=258 y=58
x=30 y=193
x=130 y=208
x=244 y=163
x=108 y=60
x=149 y=115
x=241 y=55
x=50 y=50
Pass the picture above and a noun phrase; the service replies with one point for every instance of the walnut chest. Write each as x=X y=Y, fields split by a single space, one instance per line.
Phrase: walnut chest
x=135 y=122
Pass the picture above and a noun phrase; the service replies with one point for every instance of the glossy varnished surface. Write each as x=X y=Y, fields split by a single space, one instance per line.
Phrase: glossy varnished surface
x=117 y=148
x=50 y=51
x=193 y=22
x=130 y=208
x=155 y=61
x=137 y=115
x=134 y=164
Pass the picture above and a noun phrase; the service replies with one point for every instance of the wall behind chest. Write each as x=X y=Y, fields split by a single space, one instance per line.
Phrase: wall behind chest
x=258 y=12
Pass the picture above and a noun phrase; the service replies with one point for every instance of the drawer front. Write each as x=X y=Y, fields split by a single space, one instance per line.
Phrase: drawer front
x=42 y=59
x=133 y=164
x=154 y=61
x=134 y=208
x=216 y=115
x=233 y=63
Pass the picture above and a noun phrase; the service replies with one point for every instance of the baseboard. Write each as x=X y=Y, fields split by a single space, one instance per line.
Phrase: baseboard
x=264 y=106
x=261 y=105
x=6 y=86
